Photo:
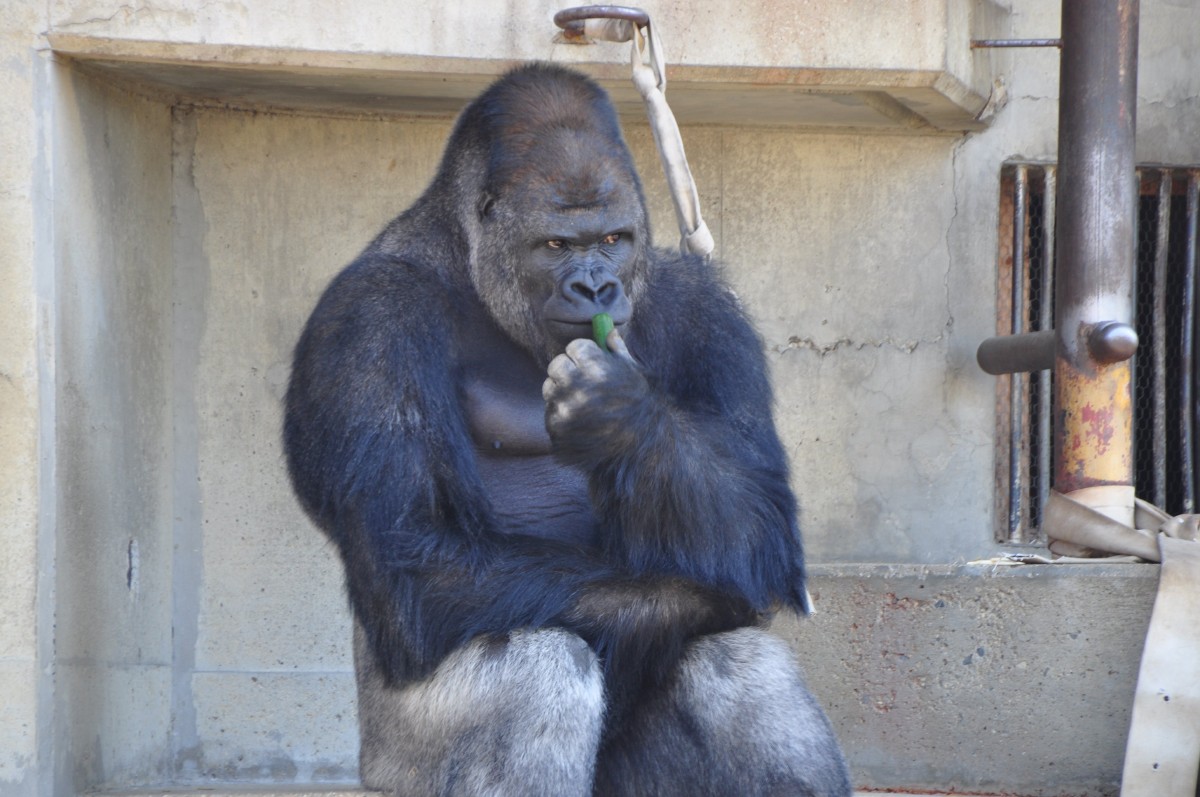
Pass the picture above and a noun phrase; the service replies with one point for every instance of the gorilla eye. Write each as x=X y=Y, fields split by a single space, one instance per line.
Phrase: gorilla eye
x=612 y=238
x=556 y=243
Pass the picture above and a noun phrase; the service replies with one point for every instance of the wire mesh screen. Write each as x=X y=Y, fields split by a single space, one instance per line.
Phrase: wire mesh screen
x=1164 y=368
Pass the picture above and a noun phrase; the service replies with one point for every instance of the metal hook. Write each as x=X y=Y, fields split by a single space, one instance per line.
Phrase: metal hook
x=571 y=19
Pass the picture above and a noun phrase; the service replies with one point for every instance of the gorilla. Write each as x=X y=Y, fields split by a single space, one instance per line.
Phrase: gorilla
x=559 y=558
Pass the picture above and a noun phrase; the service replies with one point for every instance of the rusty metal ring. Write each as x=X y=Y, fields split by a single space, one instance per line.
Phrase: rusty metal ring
x=571 y=19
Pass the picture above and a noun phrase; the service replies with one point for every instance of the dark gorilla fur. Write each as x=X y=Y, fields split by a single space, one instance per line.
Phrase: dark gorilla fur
x=656 y=510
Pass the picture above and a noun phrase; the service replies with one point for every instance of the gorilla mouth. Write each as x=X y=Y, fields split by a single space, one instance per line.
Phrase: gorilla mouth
x=578 y=329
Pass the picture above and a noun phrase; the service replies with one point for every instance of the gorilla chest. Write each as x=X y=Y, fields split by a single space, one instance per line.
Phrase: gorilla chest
x=537 y=495
x=530 y=491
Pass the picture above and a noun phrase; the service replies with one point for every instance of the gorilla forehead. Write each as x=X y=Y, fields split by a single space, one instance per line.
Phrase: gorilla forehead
x=553 y=133
x=568 y=170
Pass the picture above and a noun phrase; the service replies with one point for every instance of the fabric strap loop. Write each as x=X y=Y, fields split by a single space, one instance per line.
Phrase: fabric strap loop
x=1162 y=752
x=650 y=79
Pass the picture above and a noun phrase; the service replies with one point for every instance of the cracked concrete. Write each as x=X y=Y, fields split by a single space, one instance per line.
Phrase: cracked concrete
x=808 y=344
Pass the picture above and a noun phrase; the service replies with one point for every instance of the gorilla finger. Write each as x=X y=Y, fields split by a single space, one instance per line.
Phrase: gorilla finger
x=583 y=349
x=590 y=360
x=616 y=344
x=562 y=369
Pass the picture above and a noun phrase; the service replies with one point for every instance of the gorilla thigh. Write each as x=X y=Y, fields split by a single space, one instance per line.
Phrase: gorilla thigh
x=518 y=714
x=522 y=715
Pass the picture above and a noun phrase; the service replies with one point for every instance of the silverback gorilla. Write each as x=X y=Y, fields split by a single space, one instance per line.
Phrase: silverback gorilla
x=558 y=558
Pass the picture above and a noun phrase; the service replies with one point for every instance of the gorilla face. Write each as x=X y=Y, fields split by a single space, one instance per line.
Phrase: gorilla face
x=561 y=241
x=578 y=270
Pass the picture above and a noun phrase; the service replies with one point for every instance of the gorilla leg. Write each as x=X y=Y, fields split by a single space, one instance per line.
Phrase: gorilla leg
x=737 y=720
x=500 y=716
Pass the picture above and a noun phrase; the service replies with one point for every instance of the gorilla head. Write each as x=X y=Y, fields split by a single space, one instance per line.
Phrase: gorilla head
x=560 y=230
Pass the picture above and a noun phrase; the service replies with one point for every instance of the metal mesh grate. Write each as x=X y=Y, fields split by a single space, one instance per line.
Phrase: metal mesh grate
x=1164 y=368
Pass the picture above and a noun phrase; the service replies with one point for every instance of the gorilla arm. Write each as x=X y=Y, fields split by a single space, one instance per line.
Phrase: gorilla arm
x=687 y=473
x=380 y=455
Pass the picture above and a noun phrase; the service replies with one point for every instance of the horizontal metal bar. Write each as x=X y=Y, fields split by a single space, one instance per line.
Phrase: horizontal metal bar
x=1112 y=342
x=1012 y=354
x=977 y=43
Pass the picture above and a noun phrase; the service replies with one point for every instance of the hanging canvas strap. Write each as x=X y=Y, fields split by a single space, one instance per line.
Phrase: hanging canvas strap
x=620 y=24
x=1162 y=754
x=1163 y=751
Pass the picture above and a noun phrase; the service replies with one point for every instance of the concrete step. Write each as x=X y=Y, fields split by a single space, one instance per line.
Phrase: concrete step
x=245 y=791
x=314 y=791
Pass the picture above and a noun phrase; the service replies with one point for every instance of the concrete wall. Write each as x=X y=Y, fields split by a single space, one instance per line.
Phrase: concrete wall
x=161 y=254
x=20 y=400
x=113 y=572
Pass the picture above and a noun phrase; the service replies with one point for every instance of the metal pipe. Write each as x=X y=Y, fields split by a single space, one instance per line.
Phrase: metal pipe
x=1012 y=354
x=1158 y=434
x=1097 y=209
x=1111 y=342
x=1187 y=412
x=1046 y=325
x=977 y=43
x=1017 y=389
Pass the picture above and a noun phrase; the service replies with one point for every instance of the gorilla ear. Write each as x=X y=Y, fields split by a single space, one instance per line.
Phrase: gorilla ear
x=486 y=202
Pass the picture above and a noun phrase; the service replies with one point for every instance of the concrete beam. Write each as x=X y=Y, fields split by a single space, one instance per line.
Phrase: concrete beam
x=915 y=98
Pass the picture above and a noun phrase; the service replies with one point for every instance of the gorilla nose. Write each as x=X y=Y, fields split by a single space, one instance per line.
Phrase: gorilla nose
x=602 y=292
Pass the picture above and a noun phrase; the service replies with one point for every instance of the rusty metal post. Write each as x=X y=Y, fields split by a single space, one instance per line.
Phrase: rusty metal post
x=1094 y=275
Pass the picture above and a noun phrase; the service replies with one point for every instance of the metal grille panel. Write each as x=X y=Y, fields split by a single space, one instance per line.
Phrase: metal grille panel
x=1165 y=368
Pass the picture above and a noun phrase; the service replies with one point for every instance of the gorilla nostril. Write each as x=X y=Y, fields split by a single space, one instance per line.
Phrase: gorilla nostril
x=597 y=288
x=581 y=289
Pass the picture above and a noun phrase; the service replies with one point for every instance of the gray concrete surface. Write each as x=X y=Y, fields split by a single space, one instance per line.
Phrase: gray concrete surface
x=978 y=679
x=912 y=62
x=113 y=448
x=21 y=681
x=167 y=615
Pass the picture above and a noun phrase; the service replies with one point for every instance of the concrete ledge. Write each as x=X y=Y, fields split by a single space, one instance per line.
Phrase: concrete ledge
x=920 y=99
x=964 y=679
x=239 y=791
x=978 y=679
x=314 y=792
x=834 y=62
x=216 y=792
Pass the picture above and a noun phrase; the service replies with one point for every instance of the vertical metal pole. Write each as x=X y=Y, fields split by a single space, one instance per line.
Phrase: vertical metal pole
x=1097 y=207
x=1158 y=442
x=1188 y=411
x=1046 y=322
x=1016 y=481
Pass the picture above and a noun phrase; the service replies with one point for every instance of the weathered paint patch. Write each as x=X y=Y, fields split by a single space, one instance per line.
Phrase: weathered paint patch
x=1098 y=426
x=1096 y=417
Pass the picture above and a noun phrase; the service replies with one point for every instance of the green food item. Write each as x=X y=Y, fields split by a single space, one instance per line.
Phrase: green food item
x=602 y=324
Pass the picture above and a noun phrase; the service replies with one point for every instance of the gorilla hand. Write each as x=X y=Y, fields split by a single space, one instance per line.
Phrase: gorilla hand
x=596 y=403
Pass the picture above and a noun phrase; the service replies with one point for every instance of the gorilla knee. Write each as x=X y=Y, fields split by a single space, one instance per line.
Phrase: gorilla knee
x=543 y=667
x=737 y=720
x=745 y=689
x=513 y=714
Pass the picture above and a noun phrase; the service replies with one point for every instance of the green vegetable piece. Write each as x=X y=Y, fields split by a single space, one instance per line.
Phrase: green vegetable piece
x=602 y=324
